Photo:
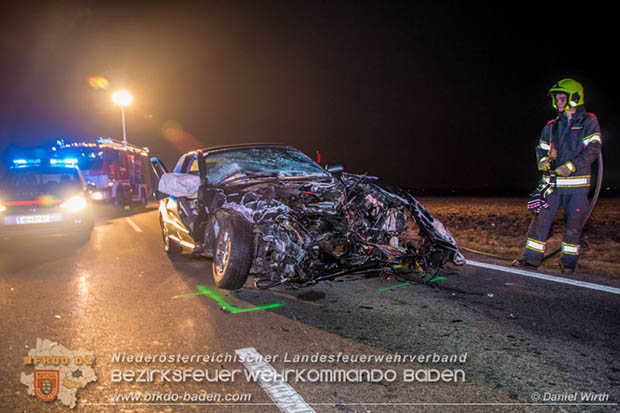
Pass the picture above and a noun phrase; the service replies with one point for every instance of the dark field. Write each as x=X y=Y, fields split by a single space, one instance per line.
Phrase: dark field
x=498 y=226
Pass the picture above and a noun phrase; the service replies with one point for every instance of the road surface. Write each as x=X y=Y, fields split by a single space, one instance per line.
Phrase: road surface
x=476 y=339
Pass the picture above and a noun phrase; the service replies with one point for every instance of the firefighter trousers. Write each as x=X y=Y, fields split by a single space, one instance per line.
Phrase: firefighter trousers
x=574 y=202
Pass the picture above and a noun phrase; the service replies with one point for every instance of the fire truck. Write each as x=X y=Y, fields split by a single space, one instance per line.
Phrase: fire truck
x=117 y=173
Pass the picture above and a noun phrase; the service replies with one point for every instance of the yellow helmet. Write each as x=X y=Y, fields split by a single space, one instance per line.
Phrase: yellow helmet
x=572 y=88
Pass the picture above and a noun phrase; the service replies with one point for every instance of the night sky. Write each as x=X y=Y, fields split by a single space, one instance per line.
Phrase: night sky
x=443 y=95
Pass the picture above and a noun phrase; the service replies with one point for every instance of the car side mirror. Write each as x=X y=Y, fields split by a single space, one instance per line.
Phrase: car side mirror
x=160 y=195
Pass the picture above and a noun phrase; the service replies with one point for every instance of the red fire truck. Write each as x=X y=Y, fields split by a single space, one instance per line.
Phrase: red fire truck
x=116 y=172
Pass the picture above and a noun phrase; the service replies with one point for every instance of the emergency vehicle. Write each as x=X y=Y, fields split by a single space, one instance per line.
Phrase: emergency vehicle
x=117 y=172
x=44 y=197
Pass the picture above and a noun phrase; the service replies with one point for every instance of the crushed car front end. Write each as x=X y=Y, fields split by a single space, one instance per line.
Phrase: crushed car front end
x=271 y=211
x=306 y=232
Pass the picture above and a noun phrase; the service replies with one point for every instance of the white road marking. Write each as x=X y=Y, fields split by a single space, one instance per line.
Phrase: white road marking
x=282 y=394
x=576 y=283
x=133 y=225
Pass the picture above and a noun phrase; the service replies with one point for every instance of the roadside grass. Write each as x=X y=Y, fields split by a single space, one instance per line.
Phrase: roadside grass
x=498 y=226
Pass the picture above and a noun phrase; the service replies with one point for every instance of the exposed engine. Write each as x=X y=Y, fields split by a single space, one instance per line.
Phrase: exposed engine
x=305 y=232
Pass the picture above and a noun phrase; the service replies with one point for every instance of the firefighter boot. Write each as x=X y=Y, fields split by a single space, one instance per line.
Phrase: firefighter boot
x=523 y=264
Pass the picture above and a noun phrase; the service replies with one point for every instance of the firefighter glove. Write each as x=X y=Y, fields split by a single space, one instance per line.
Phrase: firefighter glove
x=544 y=164
x=566 y=169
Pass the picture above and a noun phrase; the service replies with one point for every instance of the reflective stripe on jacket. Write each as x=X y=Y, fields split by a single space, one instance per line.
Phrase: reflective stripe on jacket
x=578 y=141
x=569 y=182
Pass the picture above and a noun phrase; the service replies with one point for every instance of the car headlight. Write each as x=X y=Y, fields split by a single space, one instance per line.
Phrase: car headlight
x=2 y=207
x=97 y=196
x=74 y=204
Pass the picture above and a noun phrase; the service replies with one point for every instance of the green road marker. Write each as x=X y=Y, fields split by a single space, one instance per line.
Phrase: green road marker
x=439 y=278
x=202 y=290
x=396 y=286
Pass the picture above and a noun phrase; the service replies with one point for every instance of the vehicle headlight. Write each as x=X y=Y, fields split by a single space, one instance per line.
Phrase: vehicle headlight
x=74 y=204
x=2 y=207
x=97 y=196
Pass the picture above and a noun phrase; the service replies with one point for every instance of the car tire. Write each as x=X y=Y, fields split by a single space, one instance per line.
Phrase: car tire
x=170 y=246
x=144 y=200
x=232 y=255
x=120 y=198
x=84 y=236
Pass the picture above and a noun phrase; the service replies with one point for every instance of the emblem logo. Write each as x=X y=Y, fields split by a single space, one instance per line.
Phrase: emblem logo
x=59 y=373
x=46 y=384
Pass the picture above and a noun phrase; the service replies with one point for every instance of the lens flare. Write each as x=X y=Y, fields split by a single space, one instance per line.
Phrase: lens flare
x=98 y=82
x=174 y=133
x=47 y=200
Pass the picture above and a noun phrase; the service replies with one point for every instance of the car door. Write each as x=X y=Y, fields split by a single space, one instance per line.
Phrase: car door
x=184 y=207
x=173 y=210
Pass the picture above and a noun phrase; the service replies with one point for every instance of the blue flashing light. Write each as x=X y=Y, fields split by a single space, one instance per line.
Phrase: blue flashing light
x=66 y=161
x=25 y=162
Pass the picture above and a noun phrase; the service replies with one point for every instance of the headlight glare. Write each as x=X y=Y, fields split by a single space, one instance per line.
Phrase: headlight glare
x=74 y=204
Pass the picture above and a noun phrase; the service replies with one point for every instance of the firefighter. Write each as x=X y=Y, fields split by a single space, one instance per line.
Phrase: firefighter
x=568 y=145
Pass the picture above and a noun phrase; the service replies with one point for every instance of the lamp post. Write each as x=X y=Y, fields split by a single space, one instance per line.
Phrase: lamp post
x=123 y=98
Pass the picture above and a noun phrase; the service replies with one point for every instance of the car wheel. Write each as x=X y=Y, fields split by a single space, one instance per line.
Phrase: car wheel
x=144 y=200
x=170 y=246
x=120 y=198
x=232 y=256
x=84 y=235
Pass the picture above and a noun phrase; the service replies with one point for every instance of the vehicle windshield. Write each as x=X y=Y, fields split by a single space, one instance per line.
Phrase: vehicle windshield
x=87 y=158
x=40 y=178
x=282 y=163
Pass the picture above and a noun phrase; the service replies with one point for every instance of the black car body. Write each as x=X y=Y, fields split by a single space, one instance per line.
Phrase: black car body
x=39 y=198
x=271 y=211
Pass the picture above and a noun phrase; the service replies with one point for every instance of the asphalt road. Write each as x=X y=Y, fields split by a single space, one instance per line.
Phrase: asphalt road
x=522 y=344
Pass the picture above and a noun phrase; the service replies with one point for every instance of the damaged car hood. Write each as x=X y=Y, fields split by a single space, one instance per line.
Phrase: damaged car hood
x=300 y=223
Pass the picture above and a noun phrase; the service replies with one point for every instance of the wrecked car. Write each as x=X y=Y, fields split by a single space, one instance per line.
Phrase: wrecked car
x=271 y=211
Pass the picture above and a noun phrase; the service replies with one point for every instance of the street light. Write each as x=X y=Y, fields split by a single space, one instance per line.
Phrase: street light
x=122 y=98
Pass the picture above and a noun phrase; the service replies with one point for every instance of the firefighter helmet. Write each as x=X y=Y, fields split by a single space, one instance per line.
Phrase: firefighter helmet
x=572 y=88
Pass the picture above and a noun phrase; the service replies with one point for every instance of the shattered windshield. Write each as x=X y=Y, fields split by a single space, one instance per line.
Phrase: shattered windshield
x=260 y=162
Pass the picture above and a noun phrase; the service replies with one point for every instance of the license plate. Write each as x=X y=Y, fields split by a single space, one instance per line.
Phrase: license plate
x=34 y=219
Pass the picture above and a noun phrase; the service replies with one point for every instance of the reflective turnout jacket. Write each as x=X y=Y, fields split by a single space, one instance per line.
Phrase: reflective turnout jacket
x=577 y=142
